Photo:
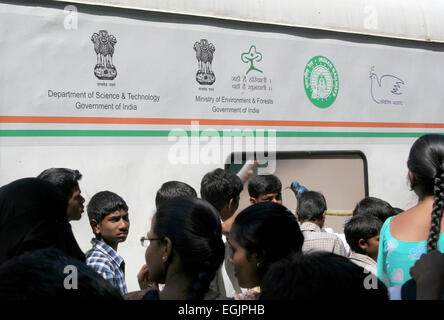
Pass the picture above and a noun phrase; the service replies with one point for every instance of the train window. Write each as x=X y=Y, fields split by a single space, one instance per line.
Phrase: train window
x=341 y=176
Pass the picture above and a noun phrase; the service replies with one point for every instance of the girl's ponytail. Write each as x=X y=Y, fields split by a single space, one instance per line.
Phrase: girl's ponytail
x=438 y=206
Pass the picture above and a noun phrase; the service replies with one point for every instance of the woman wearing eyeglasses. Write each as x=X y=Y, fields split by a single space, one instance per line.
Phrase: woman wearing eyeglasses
x=184 y=249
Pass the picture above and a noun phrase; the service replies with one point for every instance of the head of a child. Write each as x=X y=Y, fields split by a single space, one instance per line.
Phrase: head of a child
x=311 y=207
x=222 y=188
x=362 y=234
x=108 y=217
x=376 y=207
x=264 y=188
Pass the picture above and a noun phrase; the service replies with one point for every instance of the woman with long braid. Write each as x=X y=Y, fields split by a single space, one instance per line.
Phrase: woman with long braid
x=405 y=237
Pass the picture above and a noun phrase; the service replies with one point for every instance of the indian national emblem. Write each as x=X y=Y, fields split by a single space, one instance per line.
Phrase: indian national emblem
x=204 y=55
x=104 y=47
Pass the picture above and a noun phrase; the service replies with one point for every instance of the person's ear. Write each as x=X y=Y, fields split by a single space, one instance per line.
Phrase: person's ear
x=167 y=249
x=258 y=259
x=322 y=221
x=231 y=204
x=253 y=257
x=412 y=180
x=252 y=200
x=95 y=226
x=363 y=244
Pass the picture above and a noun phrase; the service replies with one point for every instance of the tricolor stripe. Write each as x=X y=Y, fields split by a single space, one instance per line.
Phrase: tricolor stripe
x=220 y=122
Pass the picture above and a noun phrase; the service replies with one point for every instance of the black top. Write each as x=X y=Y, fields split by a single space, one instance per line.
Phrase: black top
x=151 y=295
x=33 y=216
x=408 y=290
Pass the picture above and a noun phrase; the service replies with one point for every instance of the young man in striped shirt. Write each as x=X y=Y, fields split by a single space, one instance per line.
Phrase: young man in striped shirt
x=108 y=216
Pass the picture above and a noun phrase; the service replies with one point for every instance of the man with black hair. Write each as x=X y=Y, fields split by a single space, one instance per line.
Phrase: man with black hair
x=108 y=217
x=174 y=189
x=263 y=188
x=260 y=188
x=311 y=211
x=68 y=181
x=362 y=234
x=221 y=188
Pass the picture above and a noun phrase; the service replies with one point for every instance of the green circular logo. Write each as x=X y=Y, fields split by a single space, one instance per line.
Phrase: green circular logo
x=321 y=81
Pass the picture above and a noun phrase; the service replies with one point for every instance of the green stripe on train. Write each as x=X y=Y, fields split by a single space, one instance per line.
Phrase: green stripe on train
x=166 y=133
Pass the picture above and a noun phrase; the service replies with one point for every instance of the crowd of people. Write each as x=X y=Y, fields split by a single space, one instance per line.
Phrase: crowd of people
x=205 y=248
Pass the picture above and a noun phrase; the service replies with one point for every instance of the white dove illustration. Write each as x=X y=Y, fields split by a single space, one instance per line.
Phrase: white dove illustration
x=385 y=86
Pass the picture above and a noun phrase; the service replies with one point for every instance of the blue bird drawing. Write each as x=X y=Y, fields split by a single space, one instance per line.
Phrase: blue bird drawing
x=385 y=86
